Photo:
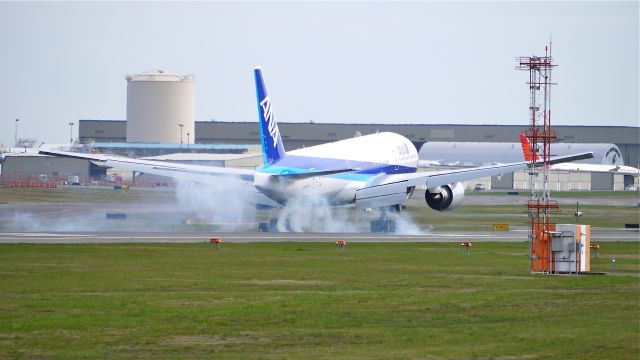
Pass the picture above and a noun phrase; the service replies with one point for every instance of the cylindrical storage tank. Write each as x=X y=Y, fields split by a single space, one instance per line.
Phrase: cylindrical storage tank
x=160 y=108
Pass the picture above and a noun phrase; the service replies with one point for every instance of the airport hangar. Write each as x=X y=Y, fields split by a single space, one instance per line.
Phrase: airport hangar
x=298 y=135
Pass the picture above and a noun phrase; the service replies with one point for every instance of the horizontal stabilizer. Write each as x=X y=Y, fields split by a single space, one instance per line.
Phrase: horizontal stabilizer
x=568 y=158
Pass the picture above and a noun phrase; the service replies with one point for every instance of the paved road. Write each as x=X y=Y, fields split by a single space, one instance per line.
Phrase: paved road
x=195 y=237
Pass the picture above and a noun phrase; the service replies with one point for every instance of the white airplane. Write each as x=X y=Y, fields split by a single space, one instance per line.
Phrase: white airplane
x=373 y=171
x=530 y=154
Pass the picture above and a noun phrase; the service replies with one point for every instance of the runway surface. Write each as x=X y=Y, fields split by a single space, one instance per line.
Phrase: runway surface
x=198 y=237
x=60 y=223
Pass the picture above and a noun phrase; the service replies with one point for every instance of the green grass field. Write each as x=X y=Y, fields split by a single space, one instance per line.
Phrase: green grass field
x=302 y=300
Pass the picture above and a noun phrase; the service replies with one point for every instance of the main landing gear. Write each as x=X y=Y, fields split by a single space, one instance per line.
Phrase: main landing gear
x=272 y=226
x=383 y=223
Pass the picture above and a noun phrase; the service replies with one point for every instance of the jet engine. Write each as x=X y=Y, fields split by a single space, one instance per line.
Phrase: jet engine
x=444 y=198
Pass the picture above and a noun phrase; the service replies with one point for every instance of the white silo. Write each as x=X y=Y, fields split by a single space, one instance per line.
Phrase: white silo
x=160 y=108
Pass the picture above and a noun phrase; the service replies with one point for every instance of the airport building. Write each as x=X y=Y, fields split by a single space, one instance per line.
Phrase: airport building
x=616 y=145
x=31 y=165
x=236 y=144
x=298 y=135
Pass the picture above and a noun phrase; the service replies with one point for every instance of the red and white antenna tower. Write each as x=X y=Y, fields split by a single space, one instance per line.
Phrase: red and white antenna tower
x=540 y=136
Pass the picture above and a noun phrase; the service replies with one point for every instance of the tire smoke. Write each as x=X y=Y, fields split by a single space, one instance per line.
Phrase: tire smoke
x=312 y=213
x=228 y=204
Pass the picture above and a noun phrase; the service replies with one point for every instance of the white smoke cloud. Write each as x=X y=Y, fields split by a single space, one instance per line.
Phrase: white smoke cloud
x=227 y=204
x=307 y=213
x=313 y=213
x=405 y=225
x=26 y=221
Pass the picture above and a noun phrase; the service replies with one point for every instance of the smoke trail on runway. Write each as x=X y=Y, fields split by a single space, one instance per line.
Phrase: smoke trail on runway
x=405 y=225
x=308 y=213
x=79 y=218
x=25 y=221
x=313 y=213
x=227 y=204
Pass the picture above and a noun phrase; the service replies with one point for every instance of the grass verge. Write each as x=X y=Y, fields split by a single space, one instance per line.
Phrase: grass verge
x=294 y=300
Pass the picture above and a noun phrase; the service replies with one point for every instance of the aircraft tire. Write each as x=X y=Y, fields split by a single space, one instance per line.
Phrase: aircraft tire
x=391 y=226
x=376 y=226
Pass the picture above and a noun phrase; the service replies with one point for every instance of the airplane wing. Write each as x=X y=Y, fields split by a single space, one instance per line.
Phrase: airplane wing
x=386 y=190
x=444 y=177
x=196 y=173
x=616 y=169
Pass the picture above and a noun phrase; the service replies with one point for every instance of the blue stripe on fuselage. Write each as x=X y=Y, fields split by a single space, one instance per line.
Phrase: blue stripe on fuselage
x=292 y=164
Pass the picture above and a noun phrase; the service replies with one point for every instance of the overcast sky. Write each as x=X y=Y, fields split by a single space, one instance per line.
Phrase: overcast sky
x=362 y=62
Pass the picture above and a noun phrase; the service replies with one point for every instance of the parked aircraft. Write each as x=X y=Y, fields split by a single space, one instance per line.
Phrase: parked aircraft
x=471 y=154
x=530 y=154
x=375 y=171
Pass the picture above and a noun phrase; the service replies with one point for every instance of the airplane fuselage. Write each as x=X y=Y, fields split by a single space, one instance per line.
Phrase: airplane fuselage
x=367 y=157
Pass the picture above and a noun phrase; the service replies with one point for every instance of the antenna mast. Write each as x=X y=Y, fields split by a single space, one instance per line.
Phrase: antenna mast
x=541 y=136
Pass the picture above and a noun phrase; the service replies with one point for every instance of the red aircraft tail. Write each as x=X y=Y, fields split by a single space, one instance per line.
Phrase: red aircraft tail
x=529 y=153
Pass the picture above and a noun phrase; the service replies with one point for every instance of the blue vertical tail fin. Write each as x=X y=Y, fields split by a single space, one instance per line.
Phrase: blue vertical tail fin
x=272 y=148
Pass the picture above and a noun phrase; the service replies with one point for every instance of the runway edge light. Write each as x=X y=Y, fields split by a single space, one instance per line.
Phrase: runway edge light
x=216 y=242
x=466 y=245
x=341 y=245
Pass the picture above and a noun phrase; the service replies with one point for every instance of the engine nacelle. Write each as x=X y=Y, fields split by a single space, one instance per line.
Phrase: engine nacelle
x=444 y=198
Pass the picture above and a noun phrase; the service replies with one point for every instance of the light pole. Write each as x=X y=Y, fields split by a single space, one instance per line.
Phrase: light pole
x=16 y=139
x=181 y=125
x=188 y=142
x=71 y=132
